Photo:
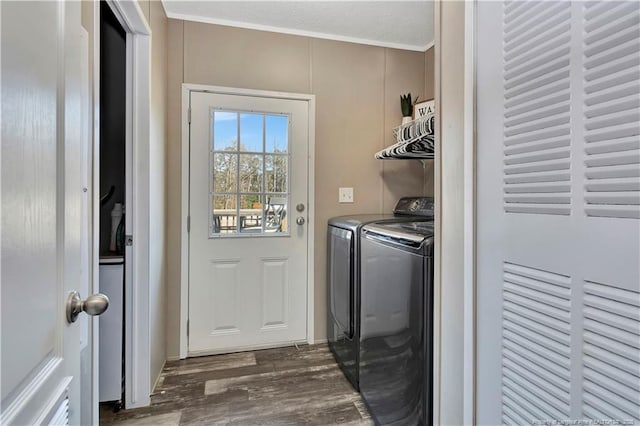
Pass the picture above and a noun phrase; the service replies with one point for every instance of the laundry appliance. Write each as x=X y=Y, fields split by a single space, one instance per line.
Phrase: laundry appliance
x=396 y=322
x=343 y=277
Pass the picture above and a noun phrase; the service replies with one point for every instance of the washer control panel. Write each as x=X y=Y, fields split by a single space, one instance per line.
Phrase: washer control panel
x=415 y=206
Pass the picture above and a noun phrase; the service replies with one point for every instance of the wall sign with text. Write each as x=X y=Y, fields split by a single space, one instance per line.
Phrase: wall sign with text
x=424 y=108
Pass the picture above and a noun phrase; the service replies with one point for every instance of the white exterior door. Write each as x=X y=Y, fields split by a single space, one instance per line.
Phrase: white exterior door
x=42 y=193
x=247 y=255
x=558 y=89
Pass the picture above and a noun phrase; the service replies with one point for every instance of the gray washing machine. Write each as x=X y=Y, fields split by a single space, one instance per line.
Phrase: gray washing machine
x=396 y=326
x=343 y=277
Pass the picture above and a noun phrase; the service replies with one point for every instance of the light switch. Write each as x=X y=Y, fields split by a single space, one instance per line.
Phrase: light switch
x=345 y=195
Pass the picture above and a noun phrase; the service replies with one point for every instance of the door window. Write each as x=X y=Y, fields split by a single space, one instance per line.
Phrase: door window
x=249 y=172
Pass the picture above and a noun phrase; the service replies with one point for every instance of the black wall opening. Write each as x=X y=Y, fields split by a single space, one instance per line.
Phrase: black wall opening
x=113 y=96
x=113 y=79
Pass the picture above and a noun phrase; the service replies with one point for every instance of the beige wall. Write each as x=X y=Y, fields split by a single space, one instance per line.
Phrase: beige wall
x=429 y=77
x=145 y=5
x=157 y=20
x=357 y=90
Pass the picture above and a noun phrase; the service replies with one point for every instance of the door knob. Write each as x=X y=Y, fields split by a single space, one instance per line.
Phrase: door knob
x=92 y=305
x=300 y=220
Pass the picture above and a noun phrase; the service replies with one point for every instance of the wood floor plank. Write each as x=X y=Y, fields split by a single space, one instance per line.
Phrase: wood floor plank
x=292 y=358
x=168 y=419
x=209 y=363
x=204 y=375
x=338 y=414
x=249 y=411
x=284 y=386
x=283 y=380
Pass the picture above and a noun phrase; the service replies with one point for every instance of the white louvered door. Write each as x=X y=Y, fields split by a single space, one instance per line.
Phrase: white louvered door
x=558 y=215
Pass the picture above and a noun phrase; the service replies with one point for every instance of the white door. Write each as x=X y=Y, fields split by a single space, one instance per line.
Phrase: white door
x=42 y=192
x=89 y=401
x=558 y=212
x=247 y=253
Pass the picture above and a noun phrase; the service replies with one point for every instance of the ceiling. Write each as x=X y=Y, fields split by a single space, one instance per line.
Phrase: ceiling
x=398 y=24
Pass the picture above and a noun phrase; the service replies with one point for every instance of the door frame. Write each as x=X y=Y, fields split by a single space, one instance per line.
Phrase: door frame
x=463 y=178
x=470 y=215
x=137 y=128
x=184 y=239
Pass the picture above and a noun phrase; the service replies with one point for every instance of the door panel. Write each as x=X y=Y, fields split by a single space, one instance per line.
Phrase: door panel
x=275 y=292
x=223 y=292
x=247 y=255
x=558 y=211
x=38 y=184
x=41 y=210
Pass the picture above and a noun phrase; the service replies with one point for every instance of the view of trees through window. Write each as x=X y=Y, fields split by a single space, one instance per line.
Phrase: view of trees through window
x=249 y=165
x=252 y=169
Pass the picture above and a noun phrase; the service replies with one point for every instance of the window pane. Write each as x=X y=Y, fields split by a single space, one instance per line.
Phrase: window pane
x=250 y=173
x=251 y=213
x=251 y=202
x=250 y=167
x=225 y=172
x=251 y=132
x=224 y=219
x=276 y=173
x=225 y=131
x=277 y=133
x=275 y=214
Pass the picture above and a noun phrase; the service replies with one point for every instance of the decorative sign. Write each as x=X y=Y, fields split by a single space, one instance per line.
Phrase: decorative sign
x=424 y=108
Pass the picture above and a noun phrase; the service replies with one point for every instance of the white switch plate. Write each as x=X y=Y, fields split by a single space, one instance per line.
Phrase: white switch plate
x=345 y=195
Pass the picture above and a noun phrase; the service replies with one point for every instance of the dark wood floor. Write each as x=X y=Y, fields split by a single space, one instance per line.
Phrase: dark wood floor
x=285 y=386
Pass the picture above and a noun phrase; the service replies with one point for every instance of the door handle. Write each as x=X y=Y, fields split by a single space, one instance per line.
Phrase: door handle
x=300 y=220
x=92 y=305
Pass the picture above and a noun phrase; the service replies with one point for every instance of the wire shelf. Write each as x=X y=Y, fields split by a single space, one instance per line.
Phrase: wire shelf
x=414 y=140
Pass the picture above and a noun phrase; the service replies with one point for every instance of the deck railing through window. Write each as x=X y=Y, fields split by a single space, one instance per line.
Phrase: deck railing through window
x=225 y=221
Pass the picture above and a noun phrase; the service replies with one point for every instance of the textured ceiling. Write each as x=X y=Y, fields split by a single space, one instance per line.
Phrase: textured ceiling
x=399 y=24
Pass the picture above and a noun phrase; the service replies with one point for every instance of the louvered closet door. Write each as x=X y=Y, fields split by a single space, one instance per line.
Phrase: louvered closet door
x=558 y=211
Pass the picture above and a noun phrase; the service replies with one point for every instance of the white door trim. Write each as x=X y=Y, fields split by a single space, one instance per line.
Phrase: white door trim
x=137 y=355
x=466 y=179
x=94 y=142
x=469 y=257
x=184 y=249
